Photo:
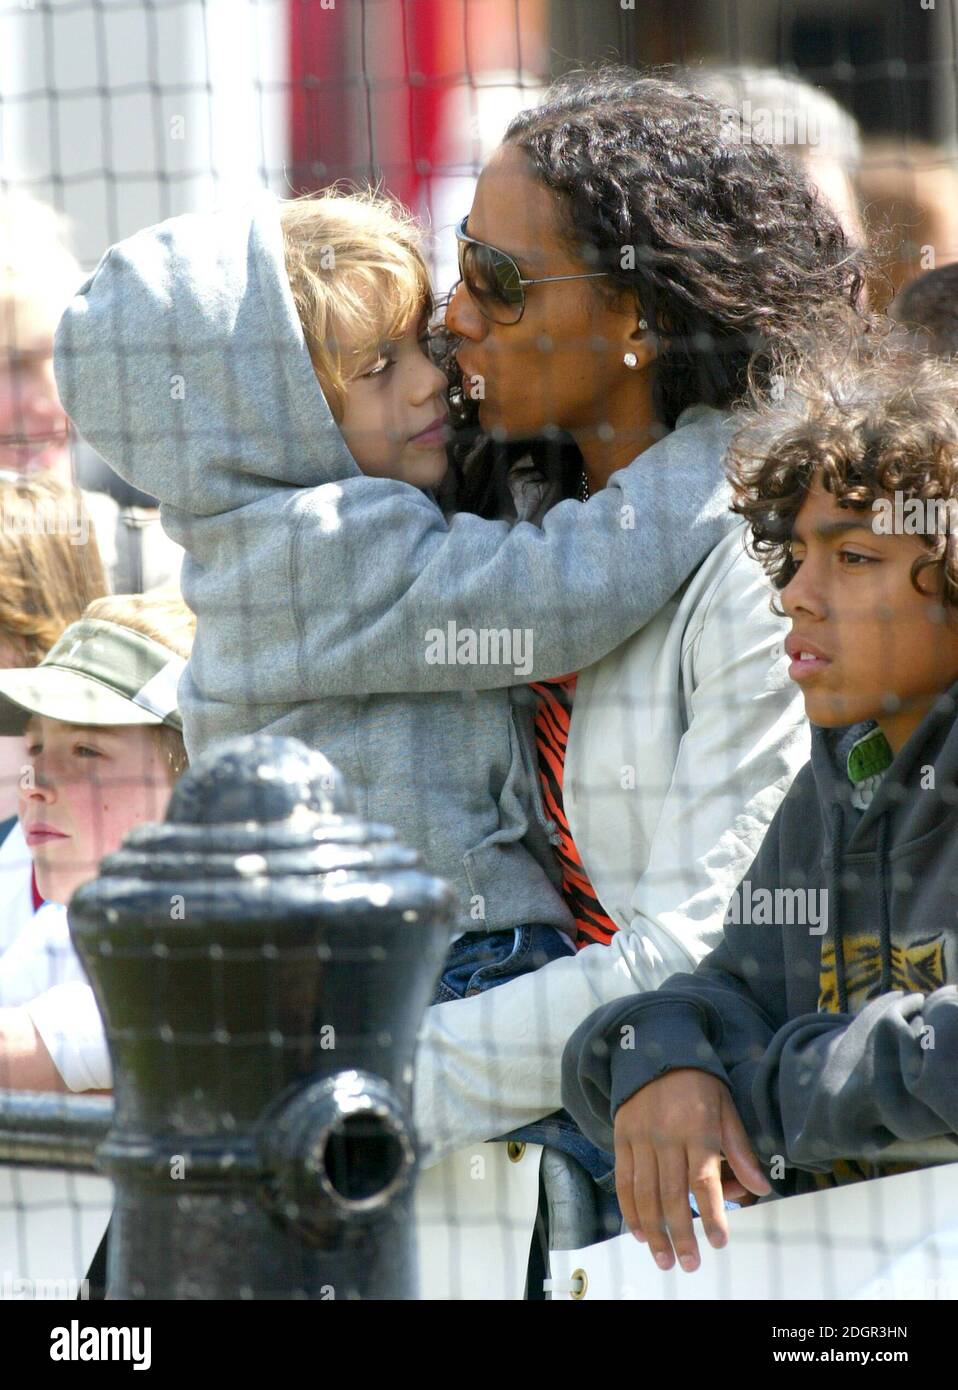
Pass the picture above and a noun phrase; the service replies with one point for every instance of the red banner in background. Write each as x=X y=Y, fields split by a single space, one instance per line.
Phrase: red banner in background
x=430 y=67
x=388 y=88
x=319 y=142
x=366 y=91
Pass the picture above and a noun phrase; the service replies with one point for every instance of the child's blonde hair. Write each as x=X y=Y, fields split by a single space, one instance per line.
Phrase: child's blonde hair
x=356 y=269
x=162 y=615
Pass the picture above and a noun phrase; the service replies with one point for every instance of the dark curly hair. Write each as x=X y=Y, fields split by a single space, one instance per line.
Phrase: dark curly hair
x=731 y=247
x=871 y=416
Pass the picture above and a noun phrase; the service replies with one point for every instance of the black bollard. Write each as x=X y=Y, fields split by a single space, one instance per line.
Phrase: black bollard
x=262 y=960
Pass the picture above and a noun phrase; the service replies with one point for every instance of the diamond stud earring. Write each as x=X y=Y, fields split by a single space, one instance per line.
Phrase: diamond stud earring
x=630 y=359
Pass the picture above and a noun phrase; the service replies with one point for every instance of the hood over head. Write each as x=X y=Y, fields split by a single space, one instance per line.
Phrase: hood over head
x=185 y=344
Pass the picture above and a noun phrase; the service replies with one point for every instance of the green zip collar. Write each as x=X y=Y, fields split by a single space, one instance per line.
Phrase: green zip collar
x=869 y=756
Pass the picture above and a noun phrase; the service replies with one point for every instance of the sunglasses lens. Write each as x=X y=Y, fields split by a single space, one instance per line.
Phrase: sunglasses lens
x=493 y=281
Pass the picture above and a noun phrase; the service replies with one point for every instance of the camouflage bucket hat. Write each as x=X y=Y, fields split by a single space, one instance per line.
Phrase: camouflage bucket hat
x=97 y=673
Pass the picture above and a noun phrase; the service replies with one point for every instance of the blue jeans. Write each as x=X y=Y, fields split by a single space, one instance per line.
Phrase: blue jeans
x=729 y=1206
x=480 y=960
x=560 y=1131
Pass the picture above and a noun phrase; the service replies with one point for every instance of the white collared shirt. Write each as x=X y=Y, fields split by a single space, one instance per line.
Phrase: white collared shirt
x=16 y=887
x=41 y=972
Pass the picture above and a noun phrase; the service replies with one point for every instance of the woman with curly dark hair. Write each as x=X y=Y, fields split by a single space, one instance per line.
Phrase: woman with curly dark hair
x=703 y=251
x=631 y=258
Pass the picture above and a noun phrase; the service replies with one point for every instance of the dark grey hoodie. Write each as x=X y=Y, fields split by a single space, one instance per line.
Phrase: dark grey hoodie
x=825 y=1065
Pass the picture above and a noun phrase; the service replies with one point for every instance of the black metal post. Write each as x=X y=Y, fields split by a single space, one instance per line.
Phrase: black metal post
x=262 y=961
x=40 y=1130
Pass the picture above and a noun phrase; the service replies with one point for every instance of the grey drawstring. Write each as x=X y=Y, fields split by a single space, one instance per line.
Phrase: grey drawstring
x=884 y=923
x=884 y=918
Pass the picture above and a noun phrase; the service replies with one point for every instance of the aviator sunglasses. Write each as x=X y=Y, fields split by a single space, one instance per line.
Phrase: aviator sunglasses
x=493 y=280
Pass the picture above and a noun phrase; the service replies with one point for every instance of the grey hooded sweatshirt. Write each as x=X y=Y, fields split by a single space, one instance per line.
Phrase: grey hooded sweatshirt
x=347 y=610
x=829 y=1008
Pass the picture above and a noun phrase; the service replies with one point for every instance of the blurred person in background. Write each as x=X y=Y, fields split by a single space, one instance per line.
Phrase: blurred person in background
x=928 y=307
x=803 y=122
x=909 y=189
x=50 y=569
x=38 y=276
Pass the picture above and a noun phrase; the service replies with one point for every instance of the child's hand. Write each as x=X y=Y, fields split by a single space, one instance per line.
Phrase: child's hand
x=669 y=1140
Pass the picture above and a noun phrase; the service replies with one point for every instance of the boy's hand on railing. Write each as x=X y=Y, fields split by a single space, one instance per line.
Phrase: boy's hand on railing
x=670 y=1139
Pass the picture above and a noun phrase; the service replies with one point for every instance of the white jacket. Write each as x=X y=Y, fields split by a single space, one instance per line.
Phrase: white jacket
x=682 y=744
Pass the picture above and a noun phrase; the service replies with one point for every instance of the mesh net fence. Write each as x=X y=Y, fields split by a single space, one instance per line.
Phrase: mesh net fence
x=441 y=478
